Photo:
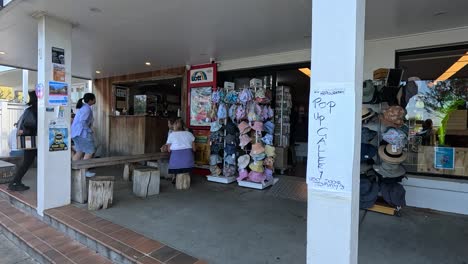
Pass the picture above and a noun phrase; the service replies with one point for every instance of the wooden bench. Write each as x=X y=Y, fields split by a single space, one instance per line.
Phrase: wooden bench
x=79 y=189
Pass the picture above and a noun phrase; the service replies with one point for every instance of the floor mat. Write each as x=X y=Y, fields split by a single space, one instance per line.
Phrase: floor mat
x=289 y=187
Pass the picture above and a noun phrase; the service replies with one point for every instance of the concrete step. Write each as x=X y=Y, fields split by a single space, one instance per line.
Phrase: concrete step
x=111 y=241
x=42 y=242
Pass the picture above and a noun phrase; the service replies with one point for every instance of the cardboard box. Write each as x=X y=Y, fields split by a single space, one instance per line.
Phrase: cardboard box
x=381 y=73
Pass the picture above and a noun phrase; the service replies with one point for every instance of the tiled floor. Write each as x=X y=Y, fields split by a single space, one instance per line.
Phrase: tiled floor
x=52 y=245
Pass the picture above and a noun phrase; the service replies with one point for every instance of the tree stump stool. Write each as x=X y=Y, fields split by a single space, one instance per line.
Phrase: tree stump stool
x=101 y=192
x=182 y=181
x=7 y=171
x=162 y=165
x=146 y=181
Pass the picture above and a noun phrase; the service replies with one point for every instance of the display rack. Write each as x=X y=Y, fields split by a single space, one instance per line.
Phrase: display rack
x=282 y=126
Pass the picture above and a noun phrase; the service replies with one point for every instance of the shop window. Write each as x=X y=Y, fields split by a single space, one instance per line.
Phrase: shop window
x=435 y=95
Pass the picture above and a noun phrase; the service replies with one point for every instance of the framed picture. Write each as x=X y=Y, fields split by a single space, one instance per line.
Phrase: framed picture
x=200 y=105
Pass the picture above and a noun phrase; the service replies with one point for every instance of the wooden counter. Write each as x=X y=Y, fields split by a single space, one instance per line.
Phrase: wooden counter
x=130 y=135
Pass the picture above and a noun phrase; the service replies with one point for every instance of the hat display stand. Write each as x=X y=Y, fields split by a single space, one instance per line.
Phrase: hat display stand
x=222 y=178
x=256 y=179
x=282 y=126
x=374 y=158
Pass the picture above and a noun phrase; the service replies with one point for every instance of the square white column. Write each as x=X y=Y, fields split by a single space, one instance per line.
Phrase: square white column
x=53 y=167
x=334 y=130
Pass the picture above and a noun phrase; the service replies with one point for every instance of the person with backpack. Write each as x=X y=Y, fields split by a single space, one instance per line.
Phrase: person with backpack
x=27 y=126
x=82 y=132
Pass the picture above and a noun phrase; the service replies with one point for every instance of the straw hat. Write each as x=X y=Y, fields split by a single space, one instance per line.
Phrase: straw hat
x=243 y=161
x=367 y=113
x=256 y=166
x=257 y=148
x=391 y=154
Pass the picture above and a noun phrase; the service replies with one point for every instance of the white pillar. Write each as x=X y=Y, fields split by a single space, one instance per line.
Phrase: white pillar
x=334 y=130
x=54 y=167
x=25 y=86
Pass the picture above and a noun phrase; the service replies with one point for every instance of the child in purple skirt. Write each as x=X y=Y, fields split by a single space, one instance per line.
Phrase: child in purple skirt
x=181 y=145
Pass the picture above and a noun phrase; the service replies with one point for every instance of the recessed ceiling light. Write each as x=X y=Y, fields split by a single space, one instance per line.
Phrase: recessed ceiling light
x=307 y=36
x=148 y=63
x=98 y=72
x=203 y=54
x=2 y=53
x=95 y=10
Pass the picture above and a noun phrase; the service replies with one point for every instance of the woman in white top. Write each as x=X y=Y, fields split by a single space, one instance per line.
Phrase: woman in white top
x=181 y=145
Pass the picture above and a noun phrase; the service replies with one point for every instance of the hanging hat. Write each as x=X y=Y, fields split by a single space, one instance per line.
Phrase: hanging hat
x=268 y=174
x=269 y=162
x=222 y=112
x=368 y=193
x=268 y=139
x=257 y=148
x=231 y=139
x=256 y=166
x=255 y=176
x=388 y=170
x=232 y=112
x=367 y=113
x=216 y=148
x=231 y=128
x=245 y=96
x=215 y=97
x=260 y=93
x=393 y=193
x=213 y=114
x=230 y=159
x=391 y=154
x=395 y=137
x=230 y=149
x=257 y=126
x=269 y=127
x=244 y=140
x=215 y=170
x=231 y=97
x=215 y=159
x=243 y=175
x=258 y=157
x=215 y=126
x=229 y=171
x=216 y=136
x=252 y=112
x=264 y=114
x=367 y=134
x=270 y=151
x=270 y=112
x=244 y=127
x=243 y=161
x=368 y=152
x=394 y=116
x=240 y=113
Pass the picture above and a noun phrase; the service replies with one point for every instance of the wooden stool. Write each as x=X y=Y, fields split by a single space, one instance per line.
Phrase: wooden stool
x=101 y=192
x=146 y=181
x=7 y=171
x=182 y=181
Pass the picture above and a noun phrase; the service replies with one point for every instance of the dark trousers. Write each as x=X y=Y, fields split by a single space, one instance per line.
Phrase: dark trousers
x=29 y=156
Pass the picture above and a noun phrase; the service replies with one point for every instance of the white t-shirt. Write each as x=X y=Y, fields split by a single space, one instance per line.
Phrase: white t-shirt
x=180 y=140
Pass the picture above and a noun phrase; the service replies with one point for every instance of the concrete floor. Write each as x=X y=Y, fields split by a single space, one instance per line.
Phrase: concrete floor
x=227 y=224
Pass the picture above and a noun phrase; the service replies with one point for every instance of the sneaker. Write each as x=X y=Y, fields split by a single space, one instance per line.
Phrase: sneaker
x=90 y=174
x=18 y=187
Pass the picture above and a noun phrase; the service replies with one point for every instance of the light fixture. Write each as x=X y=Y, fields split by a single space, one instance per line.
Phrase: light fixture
x=95 y=10
x=305 y=71
x=98 y=72
x=2 y=53
x=148 y=63
x=458 y=65
x=440 y=13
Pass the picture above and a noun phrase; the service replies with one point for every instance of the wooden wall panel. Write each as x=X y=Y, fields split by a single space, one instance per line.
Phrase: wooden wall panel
x=103 y=91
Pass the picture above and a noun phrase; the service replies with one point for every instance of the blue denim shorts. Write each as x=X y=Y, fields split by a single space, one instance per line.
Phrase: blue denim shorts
x=85 y=145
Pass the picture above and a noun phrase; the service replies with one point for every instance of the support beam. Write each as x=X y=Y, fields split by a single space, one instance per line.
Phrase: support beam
x=54 y=65
x=334 y=131
x=25 y=85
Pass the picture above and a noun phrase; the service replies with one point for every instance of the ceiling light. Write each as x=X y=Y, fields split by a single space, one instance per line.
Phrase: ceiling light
x=148 y=63
x=440 y=13
x=98 y=72
x=95 y=10
x=305 y=71
x=458 y=65
x=2 y=53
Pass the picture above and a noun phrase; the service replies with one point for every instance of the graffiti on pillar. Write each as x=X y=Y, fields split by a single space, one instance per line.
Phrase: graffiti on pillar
x=327 y=105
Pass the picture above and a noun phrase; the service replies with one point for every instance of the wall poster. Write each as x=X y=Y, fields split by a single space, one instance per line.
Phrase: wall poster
x=444 y=158
x=58 y=93
x=58 y=137
x=200 y=105
x=201 y=80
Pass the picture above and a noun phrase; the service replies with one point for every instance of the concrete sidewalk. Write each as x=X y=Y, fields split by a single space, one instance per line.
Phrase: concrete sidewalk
x=11 y=254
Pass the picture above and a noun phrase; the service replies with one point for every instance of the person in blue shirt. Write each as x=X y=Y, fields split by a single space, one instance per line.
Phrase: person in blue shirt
x=82 y=132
